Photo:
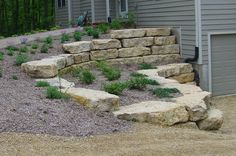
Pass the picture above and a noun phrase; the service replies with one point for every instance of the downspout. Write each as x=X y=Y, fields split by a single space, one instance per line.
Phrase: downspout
x=69 y=13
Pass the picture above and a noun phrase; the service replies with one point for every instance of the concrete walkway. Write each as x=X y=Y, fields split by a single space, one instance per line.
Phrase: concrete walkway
x=16 y=40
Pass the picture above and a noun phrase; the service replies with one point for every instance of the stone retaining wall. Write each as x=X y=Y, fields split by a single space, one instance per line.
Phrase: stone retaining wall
x=129 y=46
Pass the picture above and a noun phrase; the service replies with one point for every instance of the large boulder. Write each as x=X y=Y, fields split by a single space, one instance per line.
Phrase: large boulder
x=127 y=33
x=81 y=57
x=104 y=54
x=162 y=59
x=101 y=44
x=195 y=105
x=59 y=60
x=167 y=40
x=175 y=69
x=94 y=99
x=184 y=78
x=158 y=31
x=77 y=47
x=134 y=42
x=166 y=49
x=41 y=69
x=214 y=120
x=132 y=52
x=156 y=112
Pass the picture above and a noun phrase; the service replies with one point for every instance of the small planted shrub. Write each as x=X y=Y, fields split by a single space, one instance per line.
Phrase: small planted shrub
x=65 y=38
x=14 y=77
x=21 y=58
x=103 y=28
x=165 y=92
x=144 y=66
x=1 y=56
x=95 y=33
x=44 y=48
x=76 y=72
x=89 y=30
x=77 y=35
x=86 y=76
x=24 y=49
x=13 y=48
x=48 y=40
x=34 y=46
x=42 y=84
x=10 y=52
x=109 y=72
x=54 y=93
x=116 y=24
x=135 y=74
x=151 y=82
x=115 y=88
x=138 y=83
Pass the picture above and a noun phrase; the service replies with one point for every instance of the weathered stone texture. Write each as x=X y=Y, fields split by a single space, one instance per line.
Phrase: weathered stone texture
x=134 y=42
x=104 y=54
x=166 y=49
x=77 y=47
x=81 y=57
x=127 y=33
x=164 y=40
x=162 y=59
x=158 y=31
x=101 y=44
x=133 y=52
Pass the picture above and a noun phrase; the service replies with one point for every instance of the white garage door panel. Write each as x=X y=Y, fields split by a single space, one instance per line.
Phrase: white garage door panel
x=223 y=64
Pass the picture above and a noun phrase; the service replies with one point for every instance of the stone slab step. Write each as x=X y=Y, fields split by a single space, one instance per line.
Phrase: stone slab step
x=175 y=69
x=156 y=112
x=98 y=100
x=58 y=82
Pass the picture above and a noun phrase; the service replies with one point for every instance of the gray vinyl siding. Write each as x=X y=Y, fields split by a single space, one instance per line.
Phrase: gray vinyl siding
x=61 y=15
x=75 y=6
x=217 y=16
x=170 y=13
x=113 y=8
x=223 y=58
x=100 y=10
x=85 y=5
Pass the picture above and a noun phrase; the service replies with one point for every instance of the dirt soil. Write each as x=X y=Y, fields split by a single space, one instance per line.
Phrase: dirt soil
x=24 y=108
x=143 y=140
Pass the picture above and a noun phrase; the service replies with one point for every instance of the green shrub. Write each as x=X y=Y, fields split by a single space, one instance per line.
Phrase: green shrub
x=44 y=48
x=131 y=21
x=116 y=24
x=103 y=28
x=109 y=72
x=42 y=84
x=77 y=35
x=10 y=52
x=151 y=82
x=135 y=74
x=86 y=76
x=54 y=93
x=34 y=46
x=14 y=77
x=144 y=66
x=24 y=49
x=138 y=83
x=48 y=40
x=76 y=72
x=89 y=30
x=65 y=38
x=95 y=33
x=13 y=48
x=21 y=58
x=165 y=92
x=1 y=56
x=115 y=88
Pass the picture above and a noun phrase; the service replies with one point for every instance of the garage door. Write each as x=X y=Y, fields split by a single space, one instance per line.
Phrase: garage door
x=223 y=64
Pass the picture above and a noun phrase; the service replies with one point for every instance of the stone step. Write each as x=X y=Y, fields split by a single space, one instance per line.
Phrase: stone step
x=94 y=99
x=156 y=112
x=58 y=82
x=175 y=69
x=214 y=120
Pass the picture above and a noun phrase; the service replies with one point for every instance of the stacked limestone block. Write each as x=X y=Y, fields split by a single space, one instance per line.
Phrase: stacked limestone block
x=129 y=46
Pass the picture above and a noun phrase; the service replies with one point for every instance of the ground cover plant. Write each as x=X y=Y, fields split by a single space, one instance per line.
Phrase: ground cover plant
x=42 y=84
x=165 y=92
x=54 y=93
x=144 y=66
x=109 y=72
x=77 y=35
x=1 y=56
x=116 y=88
x=21 y=58
x=44 y=48
x=24 y=49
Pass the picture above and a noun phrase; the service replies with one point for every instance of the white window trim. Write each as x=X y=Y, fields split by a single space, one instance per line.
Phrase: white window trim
x=122 y=13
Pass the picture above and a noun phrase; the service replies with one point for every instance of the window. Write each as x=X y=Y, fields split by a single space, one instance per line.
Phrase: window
x=61 y=3
x=123 y=8
x=123 y=5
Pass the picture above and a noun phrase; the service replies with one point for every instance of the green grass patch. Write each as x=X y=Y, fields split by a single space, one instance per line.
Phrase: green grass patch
x=109 y=72
x=165 y=92
x=140 y=83
x=144 y=66
x=42 y=84
x=115 y=88
x=54 y=93
x=21 y=58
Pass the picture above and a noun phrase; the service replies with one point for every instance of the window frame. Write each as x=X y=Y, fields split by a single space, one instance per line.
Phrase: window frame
x=61 y=3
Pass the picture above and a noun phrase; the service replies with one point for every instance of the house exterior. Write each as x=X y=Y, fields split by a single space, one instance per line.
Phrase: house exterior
x=206 y=27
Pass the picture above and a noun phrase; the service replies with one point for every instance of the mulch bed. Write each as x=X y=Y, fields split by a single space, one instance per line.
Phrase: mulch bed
x=24 y=108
